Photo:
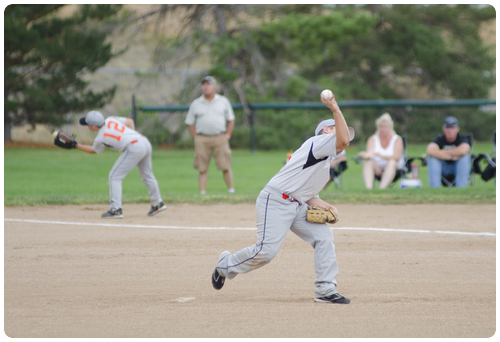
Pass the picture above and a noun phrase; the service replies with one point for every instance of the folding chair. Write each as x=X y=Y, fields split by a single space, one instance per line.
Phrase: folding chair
x=449 y=180
x=336 y=174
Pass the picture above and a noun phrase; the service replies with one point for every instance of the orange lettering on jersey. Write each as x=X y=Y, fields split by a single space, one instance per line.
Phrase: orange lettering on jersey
x=116 y=124
x=117 y=137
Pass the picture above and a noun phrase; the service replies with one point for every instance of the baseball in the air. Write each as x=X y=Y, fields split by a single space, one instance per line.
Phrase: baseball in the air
x=326 y=94
x=54 y=134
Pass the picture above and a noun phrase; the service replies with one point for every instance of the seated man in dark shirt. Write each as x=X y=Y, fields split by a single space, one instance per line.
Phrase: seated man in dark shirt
x=449 y=155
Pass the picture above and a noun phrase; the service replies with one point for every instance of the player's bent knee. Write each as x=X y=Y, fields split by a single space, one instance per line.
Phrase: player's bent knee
x=266 y=255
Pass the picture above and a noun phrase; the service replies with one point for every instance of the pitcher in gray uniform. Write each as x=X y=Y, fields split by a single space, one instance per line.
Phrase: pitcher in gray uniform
x=118 y=133
x=282 y=205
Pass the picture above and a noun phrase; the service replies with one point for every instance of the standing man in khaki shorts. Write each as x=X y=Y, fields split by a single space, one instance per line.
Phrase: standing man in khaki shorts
x=210 y=120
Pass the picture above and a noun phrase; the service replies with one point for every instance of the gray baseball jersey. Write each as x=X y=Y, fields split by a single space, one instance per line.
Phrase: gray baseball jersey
x=136 y=150
x=281 y=206
x=308 y=170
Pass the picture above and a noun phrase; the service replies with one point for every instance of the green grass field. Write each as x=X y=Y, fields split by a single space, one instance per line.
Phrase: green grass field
x=56 y=176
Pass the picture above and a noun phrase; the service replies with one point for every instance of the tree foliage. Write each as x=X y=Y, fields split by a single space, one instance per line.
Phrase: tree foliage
x=45 y=59
x=281 y=53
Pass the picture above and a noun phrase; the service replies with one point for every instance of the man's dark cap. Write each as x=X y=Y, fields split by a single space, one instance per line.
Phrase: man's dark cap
x=450 y=121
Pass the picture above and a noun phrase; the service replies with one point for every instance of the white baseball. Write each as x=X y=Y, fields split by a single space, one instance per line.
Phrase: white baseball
x=326 y=94
x=54 y=134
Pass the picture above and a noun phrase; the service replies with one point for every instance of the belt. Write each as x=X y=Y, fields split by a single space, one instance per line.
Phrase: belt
x=210 y=135
x=285 y=196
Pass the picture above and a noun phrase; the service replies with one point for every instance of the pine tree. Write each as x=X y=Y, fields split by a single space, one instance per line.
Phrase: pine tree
x=45 y=59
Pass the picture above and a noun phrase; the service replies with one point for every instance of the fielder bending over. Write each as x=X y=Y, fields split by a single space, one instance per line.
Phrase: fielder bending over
x=282 y=206
x=118 y=133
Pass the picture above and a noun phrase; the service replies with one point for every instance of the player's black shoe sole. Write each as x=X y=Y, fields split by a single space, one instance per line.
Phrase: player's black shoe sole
x=334 y=299
x=217 y=279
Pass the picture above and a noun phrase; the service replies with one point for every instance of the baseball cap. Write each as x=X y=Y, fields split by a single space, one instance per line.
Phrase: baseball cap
x=209 y=79
x=331 y=122
x=450 y=121
x=93 y=118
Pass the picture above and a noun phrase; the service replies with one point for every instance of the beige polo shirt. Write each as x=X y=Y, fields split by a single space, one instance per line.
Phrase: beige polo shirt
x=210 y=118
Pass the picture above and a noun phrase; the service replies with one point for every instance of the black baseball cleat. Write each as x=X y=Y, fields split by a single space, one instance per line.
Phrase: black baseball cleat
x=334 y=299
x=217 y=279
x=113 y=214
x=156 y=209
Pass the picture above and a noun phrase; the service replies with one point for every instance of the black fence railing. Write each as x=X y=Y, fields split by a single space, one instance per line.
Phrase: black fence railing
x=253 y=107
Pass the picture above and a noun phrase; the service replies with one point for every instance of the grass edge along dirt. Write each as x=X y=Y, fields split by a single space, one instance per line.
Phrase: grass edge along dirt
x=37 y=176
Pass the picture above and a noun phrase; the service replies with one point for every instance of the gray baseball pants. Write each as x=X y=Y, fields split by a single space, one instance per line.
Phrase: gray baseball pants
x=275 y=216
x=137 y=154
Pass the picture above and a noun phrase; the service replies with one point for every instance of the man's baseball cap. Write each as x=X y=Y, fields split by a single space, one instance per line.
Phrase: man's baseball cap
x=331 y=122
x=93 y=118
x=209 y=79
x=450 y=121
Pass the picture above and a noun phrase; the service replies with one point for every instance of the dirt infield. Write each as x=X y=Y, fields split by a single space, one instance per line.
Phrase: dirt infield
x=150 y=276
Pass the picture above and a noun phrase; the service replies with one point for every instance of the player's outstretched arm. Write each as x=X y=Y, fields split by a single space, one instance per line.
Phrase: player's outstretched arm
x=85 y=148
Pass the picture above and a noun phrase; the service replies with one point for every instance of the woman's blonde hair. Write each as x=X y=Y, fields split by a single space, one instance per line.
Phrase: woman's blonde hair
x=386 y=117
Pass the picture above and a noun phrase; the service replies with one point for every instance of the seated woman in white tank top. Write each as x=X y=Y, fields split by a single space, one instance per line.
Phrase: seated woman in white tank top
x=383 y=155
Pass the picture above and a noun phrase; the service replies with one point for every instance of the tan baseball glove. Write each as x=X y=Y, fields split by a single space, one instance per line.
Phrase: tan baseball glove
x=317 y=214
x=64 y=140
